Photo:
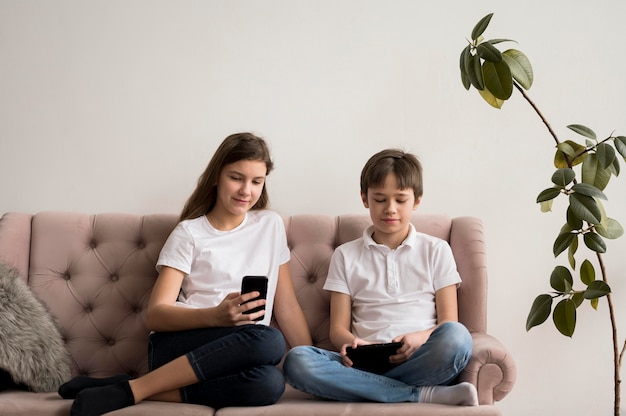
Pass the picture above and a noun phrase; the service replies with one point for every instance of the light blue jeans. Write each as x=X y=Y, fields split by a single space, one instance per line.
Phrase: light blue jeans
x=438 y=362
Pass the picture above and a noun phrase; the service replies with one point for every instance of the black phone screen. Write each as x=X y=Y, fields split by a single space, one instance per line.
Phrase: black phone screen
x=255 y=284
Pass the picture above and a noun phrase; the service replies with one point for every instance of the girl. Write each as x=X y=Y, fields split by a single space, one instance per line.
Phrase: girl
x=205 y=348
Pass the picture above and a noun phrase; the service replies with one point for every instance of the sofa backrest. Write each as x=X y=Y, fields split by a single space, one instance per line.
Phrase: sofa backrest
x=95 y=274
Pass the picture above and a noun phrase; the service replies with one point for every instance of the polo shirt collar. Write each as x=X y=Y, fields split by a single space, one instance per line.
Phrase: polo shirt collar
x=369 y=241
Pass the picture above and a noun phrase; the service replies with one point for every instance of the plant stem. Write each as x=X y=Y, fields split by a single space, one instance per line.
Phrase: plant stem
x=532 y=104
x=617 y=356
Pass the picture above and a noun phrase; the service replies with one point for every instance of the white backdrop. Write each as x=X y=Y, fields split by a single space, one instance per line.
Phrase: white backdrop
x=118 y=105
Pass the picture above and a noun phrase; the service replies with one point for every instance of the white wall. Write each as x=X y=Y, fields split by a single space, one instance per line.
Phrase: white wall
x=118 y=105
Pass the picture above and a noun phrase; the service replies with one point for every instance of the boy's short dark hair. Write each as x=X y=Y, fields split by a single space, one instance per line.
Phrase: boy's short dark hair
x=405 y=166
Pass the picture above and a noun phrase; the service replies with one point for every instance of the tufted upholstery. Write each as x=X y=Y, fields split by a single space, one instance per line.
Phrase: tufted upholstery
x=95 y=274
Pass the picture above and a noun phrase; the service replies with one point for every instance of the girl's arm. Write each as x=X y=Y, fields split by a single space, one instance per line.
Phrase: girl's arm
x=288 y=312
x=164 y=315
x=447 y=310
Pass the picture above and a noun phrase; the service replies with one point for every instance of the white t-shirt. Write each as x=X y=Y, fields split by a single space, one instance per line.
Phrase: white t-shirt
x=392 y=291
x=215 y=261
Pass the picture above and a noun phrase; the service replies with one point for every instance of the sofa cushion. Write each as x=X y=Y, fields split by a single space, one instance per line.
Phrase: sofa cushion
x=32 y=351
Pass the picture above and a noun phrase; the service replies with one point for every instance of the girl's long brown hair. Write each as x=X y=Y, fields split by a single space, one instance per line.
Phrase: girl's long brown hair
x=236 y=147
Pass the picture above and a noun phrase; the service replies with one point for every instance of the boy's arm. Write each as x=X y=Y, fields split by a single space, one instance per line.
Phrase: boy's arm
x=340 y=319
x=340 y=324
x=447 y=310
x=446 y=304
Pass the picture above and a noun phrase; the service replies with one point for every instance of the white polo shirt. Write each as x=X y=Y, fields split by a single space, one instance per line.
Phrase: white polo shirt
x=392 y=291
x=215 y=261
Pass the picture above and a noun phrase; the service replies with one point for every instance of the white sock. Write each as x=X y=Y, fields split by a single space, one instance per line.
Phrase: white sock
x=462 y=394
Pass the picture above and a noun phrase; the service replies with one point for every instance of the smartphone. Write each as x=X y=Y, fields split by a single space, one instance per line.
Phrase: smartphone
x=255 y=284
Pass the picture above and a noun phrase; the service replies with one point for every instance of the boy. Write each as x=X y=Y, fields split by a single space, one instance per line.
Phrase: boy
x=392 y=284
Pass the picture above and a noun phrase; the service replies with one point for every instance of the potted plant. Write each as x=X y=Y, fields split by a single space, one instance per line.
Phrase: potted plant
x=583 y=170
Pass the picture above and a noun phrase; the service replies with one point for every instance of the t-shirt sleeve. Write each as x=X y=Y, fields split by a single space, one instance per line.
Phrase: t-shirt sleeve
x=177 y=252
x=444 y=267
x=336 y=280
x=281 y=241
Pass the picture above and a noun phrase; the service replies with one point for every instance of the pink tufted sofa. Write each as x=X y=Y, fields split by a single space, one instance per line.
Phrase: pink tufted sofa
x=95 y=273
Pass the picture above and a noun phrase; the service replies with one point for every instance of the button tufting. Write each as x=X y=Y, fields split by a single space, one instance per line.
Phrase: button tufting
x=110 y=342
x=92 y=244
x=115 y=277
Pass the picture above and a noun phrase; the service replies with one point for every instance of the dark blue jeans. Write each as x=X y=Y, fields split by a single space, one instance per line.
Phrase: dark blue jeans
x=236 y=366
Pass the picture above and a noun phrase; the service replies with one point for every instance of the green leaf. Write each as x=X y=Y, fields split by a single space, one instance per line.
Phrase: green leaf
x=585 y=208
x=539 y=311
x=463 y=64
x=615 y=166
x=571 y=252
x=594 y=242
x=593 y=174
x=465 y=81
x=572 y=220
x=609 y=228
x=606 y=155
x=597 y=289
x=594 y=303
x=583 y=131
x=620 y=145
x=562 y=242
x=564 y=317
x=563 y=177
x=548 y=194
x=578 y=298
x=587 y=272
x=589 y=190
x=475 y=72
x=480 y=27
x=498 y=79
x=489 y=52
x=496 y=41
x=491 y=99
x=521 y=69
x=574 y=152
x=561 y=279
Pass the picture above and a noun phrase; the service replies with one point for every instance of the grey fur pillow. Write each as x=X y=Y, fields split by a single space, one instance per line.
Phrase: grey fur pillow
x=32 y=350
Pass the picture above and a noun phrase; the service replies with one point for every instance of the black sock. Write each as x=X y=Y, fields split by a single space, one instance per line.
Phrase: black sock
x=97 y=401
x=70 y=389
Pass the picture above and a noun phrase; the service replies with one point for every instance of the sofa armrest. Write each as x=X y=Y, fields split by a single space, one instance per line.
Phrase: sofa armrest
x=491 y=369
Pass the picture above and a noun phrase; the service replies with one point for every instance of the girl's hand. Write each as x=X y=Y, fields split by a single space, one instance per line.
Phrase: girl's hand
x=410 y=343
x=230 y=312
x=355 y=343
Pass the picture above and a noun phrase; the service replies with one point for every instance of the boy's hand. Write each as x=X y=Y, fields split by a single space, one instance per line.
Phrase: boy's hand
x=355 y=343
x=410 y=343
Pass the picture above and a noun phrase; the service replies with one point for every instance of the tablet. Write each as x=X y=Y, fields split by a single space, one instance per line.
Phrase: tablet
x=373 y=357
